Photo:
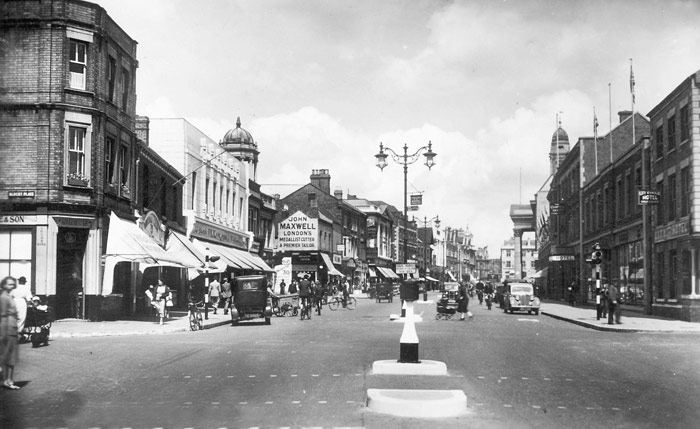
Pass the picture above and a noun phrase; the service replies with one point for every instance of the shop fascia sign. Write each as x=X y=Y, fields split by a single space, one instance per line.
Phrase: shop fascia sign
x=298 y=232
x=220 y=235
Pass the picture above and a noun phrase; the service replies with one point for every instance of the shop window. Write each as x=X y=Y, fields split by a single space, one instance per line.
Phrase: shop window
x=660 y=275
x=686 y=287
x=16 y=254
x=672 y=273
x=77 y=64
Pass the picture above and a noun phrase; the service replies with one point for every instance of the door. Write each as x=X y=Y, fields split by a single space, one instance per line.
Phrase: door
x=70 y=254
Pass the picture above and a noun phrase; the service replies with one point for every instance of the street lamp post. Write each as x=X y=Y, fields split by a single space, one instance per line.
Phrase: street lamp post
x=405 y=160
x=426 y=222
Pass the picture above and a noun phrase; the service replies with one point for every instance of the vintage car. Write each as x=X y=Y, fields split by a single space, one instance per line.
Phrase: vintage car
x=250 y=299
x=452 y=291
x=520 y=296
x=384 y=291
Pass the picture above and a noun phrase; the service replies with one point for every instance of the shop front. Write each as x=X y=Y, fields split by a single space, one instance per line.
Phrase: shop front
x=59 y=255
x=675 y=268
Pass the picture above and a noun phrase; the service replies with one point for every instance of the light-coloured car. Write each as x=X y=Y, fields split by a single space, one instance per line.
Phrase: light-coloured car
x=520 y=296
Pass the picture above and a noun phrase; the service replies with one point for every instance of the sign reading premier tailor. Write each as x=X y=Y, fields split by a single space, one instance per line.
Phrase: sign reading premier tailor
x=298 y=232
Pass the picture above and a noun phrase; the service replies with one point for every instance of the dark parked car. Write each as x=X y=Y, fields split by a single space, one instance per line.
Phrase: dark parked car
x=250 y=299
x=384 y=291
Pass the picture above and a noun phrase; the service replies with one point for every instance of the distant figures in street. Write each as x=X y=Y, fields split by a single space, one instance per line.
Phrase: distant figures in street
x=613 y=304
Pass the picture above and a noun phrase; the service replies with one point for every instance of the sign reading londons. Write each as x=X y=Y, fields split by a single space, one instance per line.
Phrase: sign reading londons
x=298 y=232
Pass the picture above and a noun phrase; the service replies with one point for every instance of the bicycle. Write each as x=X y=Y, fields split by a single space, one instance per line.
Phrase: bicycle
x=194 y=314
x=335 y=302
x=305 y=308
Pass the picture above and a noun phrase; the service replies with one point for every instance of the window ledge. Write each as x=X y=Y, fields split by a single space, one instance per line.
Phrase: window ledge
x=77 y=187
x=80 y=91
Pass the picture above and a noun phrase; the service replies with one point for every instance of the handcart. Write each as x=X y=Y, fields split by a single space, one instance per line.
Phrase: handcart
x=286 y=305
x=37 y=325
x=445 y=309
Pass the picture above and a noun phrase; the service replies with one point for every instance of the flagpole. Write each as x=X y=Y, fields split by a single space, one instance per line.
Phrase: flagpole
x=595 y=141
x=610 y=119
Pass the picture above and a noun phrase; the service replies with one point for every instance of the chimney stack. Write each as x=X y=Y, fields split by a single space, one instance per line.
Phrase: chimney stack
x=321 y=179
x=624 y=114
x=338 y=193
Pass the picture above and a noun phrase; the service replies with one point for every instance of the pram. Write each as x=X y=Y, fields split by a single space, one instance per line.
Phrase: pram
x=37 y=325
x=445 y=310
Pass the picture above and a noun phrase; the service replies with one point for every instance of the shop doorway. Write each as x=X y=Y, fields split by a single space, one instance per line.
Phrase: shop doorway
x=70 y=254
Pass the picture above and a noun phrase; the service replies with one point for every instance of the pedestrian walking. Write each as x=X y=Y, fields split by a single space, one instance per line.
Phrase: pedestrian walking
x=573 y=290
x=9 y=335
x=283 y=287
x=613 y=304
x=463 y=302
x=162 y=296
x=151 y=305
x=293 y=287
x=22 y=296
x=214 y=293
x=226 y=295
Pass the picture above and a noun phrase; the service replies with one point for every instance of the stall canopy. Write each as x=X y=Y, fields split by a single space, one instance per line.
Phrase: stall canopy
x=331 y=268
x=126 y=242
x=388 y=273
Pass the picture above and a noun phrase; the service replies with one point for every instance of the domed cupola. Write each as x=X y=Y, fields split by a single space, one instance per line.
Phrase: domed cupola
x=560 y=136
x=239 y=143
x=559 y=148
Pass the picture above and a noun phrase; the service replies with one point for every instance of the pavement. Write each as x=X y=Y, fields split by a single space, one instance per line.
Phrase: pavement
x=633 y=320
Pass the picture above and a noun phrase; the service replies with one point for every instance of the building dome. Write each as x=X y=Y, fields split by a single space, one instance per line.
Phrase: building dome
x=238 y=135
x=239 y=143
x=560 y=135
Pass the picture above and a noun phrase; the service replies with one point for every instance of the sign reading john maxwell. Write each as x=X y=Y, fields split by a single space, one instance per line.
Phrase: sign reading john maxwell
x=298 y=232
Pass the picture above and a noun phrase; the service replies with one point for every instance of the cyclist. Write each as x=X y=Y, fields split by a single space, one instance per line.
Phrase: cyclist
x=345 y=288
x=319 y=295
x=305 y=290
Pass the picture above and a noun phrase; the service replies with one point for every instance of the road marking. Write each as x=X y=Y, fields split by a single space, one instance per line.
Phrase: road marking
x=293 y=375
x=561 y=408
x=536 y=407
x=322 y=402
x=481 y=377
x=336 y=375
x=251 y=376
x=507 y=406
x=229 y=376
x=269 y=402
x=525 y=378
x=615 y=409
x=188 y=376
x=314 y=375
x=208 y=376
x=296 y=402
x=504 y=378
x=273 y=375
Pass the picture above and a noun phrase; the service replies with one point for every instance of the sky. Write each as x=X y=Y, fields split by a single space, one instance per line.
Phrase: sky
x=319 y=84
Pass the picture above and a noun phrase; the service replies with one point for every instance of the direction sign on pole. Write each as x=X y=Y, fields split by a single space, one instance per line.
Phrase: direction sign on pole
x=405 y=268
x=416 y=199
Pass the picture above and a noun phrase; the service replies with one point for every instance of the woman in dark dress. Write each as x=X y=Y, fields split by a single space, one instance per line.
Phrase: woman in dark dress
x=463 y=302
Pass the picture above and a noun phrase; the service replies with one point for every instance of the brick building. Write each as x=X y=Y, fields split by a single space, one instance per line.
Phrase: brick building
x=321 y=233
x=675 y=224
x=69 y=152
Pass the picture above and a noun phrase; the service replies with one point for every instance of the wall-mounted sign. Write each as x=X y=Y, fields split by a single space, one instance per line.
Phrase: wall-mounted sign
x=21 y=193
x=73 y=222
x=648 y=197
x=221 y=235
x=152 y=226
x=17 y=219
x=298 y=232
x=561 y=258
x=667 y=232
x=555 y=209
x=337 y=259
x=412 y=208
x=405 y=268
x=417 y=199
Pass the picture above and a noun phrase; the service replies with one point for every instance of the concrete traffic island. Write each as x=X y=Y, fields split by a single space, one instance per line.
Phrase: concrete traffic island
x=424 y=367
x=417 y=403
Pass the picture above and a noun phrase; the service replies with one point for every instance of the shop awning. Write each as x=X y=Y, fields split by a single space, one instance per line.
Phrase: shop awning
x=387 y=273
x=541 y=274
x=430 y=279
x=452 y=277
x=179 y=244
x=230 y=255
x=126 y=242
x=331 y=268
x=372 y=272
x=254 y=259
